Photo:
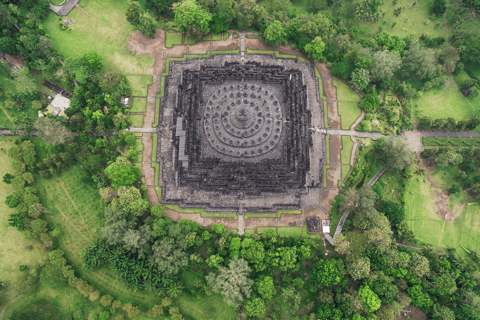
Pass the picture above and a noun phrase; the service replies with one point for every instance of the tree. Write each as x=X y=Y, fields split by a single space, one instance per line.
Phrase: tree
x=266 y=288
x=52 y=131
x=7 y=178
x=106 y=300
x=361 y=79
x=359 y=269
x=370 y=102
x=131 y=200
x=232 y=282
x=439 y=7
x=52 y=275
x=249 y=13
x=255 y=307
x=108 y=194
x=141 y=19
x=161 y=7
x=315 y=48
x=443 y=285
x=394 y=211
x=367 y=10
x=418 y=62
x=109 y=81
x=24 y=83
x=169 y=256
x=419 y=298
x=395 y=151
x=122 y=172
x=192 y=18
x=225 y=15
x=384 y=65
x=342 y=244
x=419 y=265
x=450 y=56
x=349 y=200
x=275 y=33
x=326 y=273
x=449 y=158
x=369 y=299
x=440 y=312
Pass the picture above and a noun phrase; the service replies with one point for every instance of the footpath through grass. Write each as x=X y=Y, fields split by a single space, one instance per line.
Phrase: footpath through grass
x=349 y=112
x=101 y=26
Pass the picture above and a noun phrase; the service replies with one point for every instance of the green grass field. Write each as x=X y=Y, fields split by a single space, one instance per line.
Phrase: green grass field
x=260 y=215
x=349 y=112
x=138 y=105
x=345 y=170
x=347 y=148
x=430 y=228
x=413 y=20
x=139 y=85
x=13 y=242
x=344 y=92
x=101 y=26
x=289 y=231
x=137 y=120
x=172 y=39
x=446 y=102
x=216 y=36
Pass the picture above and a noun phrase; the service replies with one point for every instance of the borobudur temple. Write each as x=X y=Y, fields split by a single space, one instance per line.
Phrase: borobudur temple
x=241 y=132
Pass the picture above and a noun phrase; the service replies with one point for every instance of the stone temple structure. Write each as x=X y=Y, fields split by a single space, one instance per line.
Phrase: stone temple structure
x=241 y=132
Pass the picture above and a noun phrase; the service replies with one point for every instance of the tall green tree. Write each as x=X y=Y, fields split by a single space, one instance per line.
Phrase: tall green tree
x=122 y=172
x=396 y=152
x=232 y=282
x=384 y=65
x=53 y=132
x=275 y=33
x=24 y=82
x=249 y=13
x=192 y=18
x=315 y=48
x=418 y=62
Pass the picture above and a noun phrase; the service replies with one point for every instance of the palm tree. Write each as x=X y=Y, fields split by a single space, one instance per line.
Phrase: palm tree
x=175 y=289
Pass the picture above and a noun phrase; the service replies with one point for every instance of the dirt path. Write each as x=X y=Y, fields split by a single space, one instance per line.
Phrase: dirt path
x=442 y=198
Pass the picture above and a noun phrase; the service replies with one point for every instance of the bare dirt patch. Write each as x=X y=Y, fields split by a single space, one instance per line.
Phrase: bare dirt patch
x=333 y=118
x=412 y=313
x=286 y=219
x=329 y=90
x=230 y=223
x=327 y=197
x=253 y=223
x=334 y=174
x=314 y=212
x=176 y=51
x=441 y=196
x=230 y=44
x=325 y=72
x=257 y=44
x=199 y=48
x=335 y=147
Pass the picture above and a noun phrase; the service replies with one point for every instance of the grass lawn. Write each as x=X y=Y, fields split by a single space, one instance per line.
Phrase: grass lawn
x=347 y=147
x=446 y=102
x=260 y=215
x=172 y=38
x=216 y=36
x=138 y=105
x=221 y=215
x=100 y=26
x=12 y=241
x=280 y=212
x=254 y=37
x=344 y=92
x=412 y=20
x=138 y=145
x=345 y=170
x=453 y=142
x=261 y=230
x=7 y=116
x=137 y=120
x=349 y=112
x=207 y=37
x=190 y=40
x=430 y=228
x=249 y=232
x=289 y=231
x=249 y=51
x=139 y=85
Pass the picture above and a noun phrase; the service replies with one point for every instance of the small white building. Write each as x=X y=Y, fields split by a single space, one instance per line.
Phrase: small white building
x=326 y=226
x=58 y=105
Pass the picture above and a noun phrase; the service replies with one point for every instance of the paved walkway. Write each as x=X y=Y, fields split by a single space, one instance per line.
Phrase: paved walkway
x=359 y=134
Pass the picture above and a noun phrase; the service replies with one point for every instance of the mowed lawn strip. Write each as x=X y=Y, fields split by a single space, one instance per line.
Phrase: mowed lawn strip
x=347 y=148
x=101 y=26
x=349 y=112
x=344 y=92
x=138 y=105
